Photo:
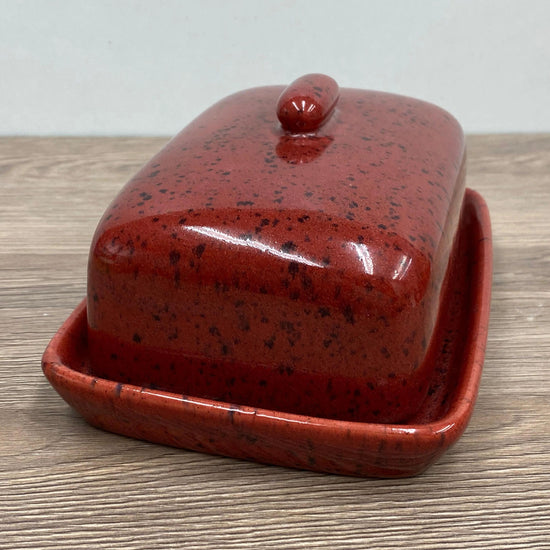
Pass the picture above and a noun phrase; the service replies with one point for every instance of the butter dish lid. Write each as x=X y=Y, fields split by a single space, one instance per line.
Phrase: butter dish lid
x=360 y=160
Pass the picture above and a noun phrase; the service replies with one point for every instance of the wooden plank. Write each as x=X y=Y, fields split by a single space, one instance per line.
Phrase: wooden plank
x=65 y=484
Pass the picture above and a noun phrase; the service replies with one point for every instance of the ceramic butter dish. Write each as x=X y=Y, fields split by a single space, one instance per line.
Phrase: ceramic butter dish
x=298 y=275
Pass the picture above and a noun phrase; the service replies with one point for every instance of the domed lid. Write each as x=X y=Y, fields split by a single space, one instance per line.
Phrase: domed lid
x=365 y=178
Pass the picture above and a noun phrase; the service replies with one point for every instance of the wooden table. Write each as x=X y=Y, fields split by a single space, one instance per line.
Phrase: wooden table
x=64 y=484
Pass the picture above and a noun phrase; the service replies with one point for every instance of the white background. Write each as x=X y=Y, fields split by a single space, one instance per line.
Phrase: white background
x=148 y=67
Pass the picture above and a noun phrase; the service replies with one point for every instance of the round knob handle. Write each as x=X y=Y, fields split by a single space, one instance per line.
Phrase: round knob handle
x=307 y=103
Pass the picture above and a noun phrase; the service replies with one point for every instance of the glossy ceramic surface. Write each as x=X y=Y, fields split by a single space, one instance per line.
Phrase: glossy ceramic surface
x=286 y=251
x=321 y=444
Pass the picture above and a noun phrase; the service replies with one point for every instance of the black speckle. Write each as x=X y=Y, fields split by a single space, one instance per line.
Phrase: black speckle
x=293 y=268
x=289 y=246
x=348 y=314
x=136 y=338
x=307 y=282
x=198 y=250
x=154 y=174
x=244 y=324
x=288 y=369
x=174 y=257
x=233 y=409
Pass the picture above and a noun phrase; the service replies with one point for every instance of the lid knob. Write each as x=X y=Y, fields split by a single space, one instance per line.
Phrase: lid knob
x=307 y=103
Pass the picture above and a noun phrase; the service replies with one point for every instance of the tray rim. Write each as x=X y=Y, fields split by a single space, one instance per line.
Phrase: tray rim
x=434 y=437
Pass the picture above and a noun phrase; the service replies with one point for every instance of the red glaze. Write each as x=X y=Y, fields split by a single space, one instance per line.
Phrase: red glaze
x=293 y=273
x=275 y=437
x=307 y=103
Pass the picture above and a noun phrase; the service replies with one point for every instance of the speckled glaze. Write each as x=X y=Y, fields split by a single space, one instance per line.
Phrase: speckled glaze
x=297 y=278
x=295 y=267
x=314 y=443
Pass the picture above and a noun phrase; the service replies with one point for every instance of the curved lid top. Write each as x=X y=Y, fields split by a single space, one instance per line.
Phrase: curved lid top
x=371 y=174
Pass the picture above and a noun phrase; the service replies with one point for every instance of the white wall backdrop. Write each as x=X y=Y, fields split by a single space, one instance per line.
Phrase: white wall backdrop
x=98 y=67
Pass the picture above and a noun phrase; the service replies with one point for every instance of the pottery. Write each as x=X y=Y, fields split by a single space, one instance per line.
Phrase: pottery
x=296 y=265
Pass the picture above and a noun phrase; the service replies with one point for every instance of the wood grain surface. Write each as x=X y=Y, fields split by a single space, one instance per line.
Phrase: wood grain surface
x=64 y=484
